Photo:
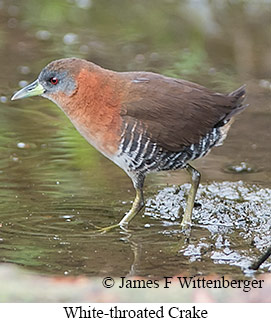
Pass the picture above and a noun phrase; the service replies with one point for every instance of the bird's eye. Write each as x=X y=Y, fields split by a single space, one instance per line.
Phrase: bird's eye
x=53 y=80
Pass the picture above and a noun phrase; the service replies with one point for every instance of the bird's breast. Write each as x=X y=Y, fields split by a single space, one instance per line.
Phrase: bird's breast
x=94 y=110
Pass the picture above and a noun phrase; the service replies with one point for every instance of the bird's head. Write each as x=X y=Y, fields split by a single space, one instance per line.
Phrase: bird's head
x=58 y=81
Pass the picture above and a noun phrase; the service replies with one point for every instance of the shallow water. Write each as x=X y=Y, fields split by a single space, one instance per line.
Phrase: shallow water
x=55 y=188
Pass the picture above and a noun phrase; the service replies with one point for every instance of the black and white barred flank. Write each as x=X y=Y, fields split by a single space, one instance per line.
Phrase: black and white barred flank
x=139 y=154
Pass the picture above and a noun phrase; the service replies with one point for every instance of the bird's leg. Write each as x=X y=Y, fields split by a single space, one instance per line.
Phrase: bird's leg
x=138 y=181
x=195 y=179
x=138 y=204
x=136 y=207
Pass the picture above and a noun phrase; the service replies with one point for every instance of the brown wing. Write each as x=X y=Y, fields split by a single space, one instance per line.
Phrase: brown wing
x=176 y=113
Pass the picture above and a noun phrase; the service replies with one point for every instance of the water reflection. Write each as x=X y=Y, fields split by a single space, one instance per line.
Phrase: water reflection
x=55 y=188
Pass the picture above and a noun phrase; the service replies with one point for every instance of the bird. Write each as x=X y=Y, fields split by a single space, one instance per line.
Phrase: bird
x=142 y=121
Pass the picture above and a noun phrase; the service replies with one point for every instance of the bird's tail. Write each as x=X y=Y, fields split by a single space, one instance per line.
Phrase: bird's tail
x=238 y=96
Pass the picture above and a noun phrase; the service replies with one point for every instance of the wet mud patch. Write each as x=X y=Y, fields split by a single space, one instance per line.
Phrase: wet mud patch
x=231 y=222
